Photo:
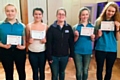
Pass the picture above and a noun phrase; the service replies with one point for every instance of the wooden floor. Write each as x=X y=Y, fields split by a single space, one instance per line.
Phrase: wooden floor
x=70 y=71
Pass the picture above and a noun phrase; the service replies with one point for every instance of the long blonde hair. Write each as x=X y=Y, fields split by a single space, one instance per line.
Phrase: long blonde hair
x=102 y=16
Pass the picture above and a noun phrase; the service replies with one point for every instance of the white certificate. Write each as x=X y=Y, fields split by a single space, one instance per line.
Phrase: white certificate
x=107 y=26
x=13 y=39
x=37 y=34
x=87 y=31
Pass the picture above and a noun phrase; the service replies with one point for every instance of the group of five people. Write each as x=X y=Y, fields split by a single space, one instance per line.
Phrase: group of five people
x=59 y=44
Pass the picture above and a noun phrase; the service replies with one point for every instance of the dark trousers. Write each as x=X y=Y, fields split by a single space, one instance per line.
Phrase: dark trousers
x=37 y=61
x=110 y=58
x=8 y=57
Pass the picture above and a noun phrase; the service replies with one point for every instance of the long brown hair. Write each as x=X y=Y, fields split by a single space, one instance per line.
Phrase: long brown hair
x=116 y=16
x=81 y=10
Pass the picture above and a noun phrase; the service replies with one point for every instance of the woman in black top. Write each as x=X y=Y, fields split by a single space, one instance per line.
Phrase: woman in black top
x=60 y=45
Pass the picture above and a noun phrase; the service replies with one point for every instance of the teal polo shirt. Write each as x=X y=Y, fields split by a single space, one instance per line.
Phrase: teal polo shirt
x=7 y=28
x=107 y=42
x=84 y=43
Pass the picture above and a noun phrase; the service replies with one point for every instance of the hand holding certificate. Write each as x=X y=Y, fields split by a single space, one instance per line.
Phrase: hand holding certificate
x=107 y=26
x=87 y=31
x=37 y=34
x=13 y=39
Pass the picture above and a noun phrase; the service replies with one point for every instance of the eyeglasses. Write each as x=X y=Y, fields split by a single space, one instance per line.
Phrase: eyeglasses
x=61 y=14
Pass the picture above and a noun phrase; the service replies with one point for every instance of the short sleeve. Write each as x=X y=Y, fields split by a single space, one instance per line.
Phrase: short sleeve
x=23 y=33
x=0 y=34
x=0 y=30
x=74 y=27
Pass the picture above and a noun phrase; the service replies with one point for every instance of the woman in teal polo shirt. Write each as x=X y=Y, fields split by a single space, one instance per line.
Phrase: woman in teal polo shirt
x=12 y=44
x=106 y=39
x=83 y=44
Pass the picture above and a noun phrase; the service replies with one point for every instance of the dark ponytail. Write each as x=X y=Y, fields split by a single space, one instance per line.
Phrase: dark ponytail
x=38 y=9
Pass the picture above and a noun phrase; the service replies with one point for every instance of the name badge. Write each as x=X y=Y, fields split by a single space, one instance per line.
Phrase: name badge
x=66 y=31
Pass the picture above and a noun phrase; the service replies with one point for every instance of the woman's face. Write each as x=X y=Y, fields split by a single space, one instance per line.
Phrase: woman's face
x=61 y=15
x=10 y=12
x=110 y=12
x=37 y=15
x=84 y=16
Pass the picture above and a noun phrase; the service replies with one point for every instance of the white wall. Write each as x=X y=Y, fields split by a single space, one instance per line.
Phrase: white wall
x=88 y=1
x=53 y=5
x=3 y=3
x=98 y=1
x=36 y=3
x=72 y=7
x=75 y=6
x=67 y=4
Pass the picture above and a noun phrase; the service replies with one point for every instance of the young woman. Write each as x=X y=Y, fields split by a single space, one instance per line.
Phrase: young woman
x=83 y=45
x=12 y=43
x=106 y=40
x=36 y=47
x=60 y=42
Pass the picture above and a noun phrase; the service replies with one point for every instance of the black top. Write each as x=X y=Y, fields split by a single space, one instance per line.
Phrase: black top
x=60 y=41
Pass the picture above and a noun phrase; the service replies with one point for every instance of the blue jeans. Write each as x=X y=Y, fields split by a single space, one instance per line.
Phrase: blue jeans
x=58 y=67
x=82 y=62
x=110 y=58
x=37 y=61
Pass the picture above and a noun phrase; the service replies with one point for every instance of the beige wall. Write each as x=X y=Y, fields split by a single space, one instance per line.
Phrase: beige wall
x=72 y=7
x=52 y=8
x=76 y=5
x=36 y=3
x=67 y=4
x=3 y=3
x=72 y=16
x=88 y=1
x=98 y=1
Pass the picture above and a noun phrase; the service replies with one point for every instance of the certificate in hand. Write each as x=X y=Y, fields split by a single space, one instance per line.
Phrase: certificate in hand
x=37 y=34
x=13 y=39
x=107 y=26
x=87 y=31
